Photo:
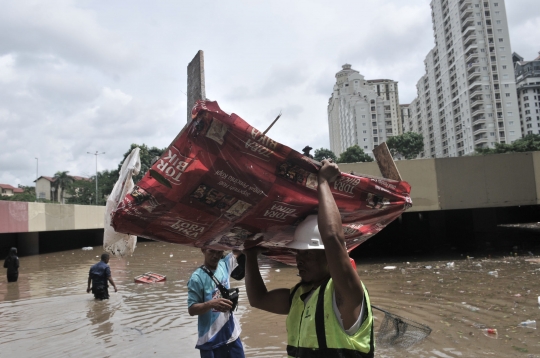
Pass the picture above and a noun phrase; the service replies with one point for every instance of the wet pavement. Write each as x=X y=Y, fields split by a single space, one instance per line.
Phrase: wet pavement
x=48 y=313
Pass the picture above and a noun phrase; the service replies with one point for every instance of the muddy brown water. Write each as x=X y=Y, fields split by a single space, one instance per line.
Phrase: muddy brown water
x=49 y=314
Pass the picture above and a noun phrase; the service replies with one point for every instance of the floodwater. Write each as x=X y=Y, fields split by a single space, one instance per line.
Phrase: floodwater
x=49 y=314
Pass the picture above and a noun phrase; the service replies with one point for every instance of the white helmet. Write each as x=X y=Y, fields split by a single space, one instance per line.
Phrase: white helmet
x=307 y=235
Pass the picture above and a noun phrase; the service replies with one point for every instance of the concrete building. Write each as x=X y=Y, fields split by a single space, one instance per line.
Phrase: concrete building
x=8 y=190
x=528 y=93
x=405 y=114
x=45 y=188
x=467 y=98
x=362 y=112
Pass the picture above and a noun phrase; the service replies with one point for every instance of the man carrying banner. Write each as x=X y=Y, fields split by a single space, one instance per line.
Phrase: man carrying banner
x=329 y=312
x=219 y=330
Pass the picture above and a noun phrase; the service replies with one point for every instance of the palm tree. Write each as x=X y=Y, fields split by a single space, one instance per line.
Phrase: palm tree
x=62 y=181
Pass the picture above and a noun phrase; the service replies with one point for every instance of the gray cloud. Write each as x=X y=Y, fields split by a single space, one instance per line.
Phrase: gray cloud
x=84 y=76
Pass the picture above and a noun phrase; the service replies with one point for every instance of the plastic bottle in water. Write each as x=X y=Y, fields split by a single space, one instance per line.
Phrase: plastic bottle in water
x=528 y=324
x=470 y=308
x=493 y=273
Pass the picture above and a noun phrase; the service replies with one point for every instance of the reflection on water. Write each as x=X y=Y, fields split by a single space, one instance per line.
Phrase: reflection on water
x=48 y=313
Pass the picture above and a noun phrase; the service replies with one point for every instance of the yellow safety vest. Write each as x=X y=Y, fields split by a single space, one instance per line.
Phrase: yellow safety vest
x=313 y=329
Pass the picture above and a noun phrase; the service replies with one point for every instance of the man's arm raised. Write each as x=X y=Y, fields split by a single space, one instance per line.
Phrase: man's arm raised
x=275 y=301
x=349 y=292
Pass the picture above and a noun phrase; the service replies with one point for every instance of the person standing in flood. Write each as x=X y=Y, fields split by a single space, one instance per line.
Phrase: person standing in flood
x=98 y=276
x=328 y=311
x=12 y=265
x=219 y=330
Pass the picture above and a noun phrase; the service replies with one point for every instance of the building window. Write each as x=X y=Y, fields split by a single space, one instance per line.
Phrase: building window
x=365 y=139
x=363 y=116
x=364 y=132
x=510 y=114
x=365 y=147
x=504 y=67
x=496 y=4
x=506 y=85
x=500 y=40
x=374 y=131
x=507 y=94
x=498 y=22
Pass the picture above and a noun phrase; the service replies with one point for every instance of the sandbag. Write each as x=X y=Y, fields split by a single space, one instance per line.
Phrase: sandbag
x=222 y=184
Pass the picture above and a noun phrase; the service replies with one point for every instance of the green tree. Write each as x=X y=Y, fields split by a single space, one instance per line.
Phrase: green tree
x=147 y=155
x=62 y=181
x=354 y=154
x=408 y=145
x=82 y=192
x=323 y=153
x=529 y=143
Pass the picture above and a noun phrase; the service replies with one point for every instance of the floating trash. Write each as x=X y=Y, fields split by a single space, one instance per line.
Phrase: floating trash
x=528 y=324
x=389 y=267
x=87 y=248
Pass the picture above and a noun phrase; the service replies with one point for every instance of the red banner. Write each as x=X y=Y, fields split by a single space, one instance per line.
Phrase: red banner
x=223 y=184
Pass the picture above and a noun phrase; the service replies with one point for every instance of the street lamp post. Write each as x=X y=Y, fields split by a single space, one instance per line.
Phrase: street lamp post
x=37 y=166
x=96 y=154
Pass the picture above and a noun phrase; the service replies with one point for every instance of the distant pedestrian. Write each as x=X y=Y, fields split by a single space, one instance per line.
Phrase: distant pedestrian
x=98 y=276
x=12 y=265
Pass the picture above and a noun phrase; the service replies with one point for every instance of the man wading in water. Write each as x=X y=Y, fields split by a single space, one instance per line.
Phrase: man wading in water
x=98 y=276
x=219 y=330
x=12 y=265
x=329 y=312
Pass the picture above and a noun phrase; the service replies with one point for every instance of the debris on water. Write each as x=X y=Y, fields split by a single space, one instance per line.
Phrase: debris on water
x=278 y=270
x=428 y=267
x=87 y=248
x=403 y=271
x=517 y=295
x=441 y=280
x=528 y=324
x=450 y=264
x=183 y=261
x=470 y=308
x=493 y=273
x=490 y=332
x=389 y=267
x=171 y=255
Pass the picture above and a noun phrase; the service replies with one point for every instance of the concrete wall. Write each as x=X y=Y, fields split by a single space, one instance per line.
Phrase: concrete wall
x=489 y=181
x=38 y=217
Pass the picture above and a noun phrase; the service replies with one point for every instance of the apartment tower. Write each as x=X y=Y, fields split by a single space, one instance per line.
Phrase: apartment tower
x=467 y=97
x=528 y=93
x=362 y=112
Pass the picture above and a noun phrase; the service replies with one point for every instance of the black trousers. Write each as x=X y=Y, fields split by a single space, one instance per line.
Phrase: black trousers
x=101 y=292
x=12 y=277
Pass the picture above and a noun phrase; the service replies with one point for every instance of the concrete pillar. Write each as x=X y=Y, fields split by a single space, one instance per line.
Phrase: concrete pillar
x=28 y=243
x=195 y=87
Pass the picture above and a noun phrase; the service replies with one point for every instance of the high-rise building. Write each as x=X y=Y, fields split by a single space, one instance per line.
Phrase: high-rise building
x=362 y=112
x=467 y=98
x=528 y=93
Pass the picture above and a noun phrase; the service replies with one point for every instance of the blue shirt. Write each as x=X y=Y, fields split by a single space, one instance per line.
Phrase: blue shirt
x=99 y=273
x=215 y=328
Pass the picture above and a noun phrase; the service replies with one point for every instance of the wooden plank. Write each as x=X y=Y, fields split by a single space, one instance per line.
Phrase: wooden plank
x=196 y=88
x=386 y=162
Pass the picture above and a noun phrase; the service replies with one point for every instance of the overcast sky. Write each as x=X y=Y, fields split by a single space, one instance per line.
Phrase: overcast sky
x=79 y=76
